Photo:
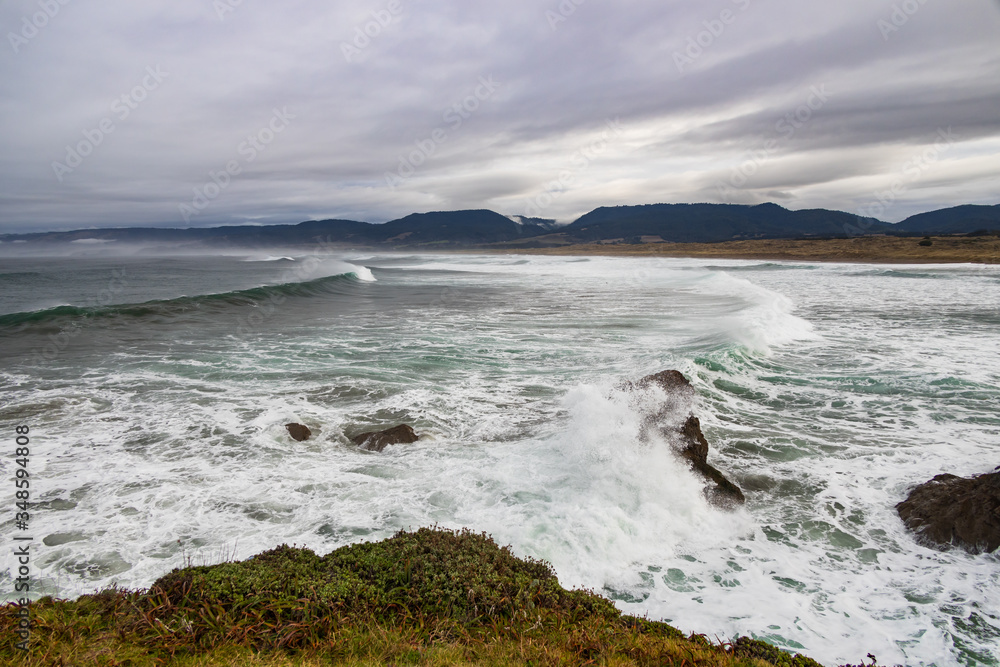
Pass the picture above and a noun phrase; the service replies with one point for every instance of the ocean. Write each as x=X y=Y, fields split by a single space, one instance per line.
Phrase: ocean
x=156 y=389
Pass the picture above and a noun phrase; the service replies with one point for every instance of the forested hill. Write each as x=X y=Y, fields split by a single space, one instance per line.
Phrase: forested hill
x=478 y=228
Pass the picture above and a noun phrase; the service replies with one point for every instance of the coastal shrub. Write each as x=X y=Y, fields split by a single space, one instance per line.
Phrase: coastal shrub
x=745 y=647
x=440 y=573
x=430 y=597
x=292 y=597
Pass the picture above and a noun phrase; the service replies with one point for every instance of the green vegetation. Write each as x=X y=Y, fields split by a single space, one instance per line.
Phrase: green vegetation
x=432 y=597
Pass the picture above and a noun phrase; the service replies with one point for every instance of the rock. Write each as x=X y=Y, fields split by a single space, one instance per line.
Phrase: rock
x=661 y=411
x=697 y=446
x=686 y=435
x=299 y=432
x=724 y=493
x=376 y=441
x=668 y=381
x=951 y=510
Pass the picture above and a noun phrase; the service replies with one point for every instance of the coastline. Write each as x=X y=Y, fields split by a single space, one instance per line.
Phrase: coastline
x=862 y=250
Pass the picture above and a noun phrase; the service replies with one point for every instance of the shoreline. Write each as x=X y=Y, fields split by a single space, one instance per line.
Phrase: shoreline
x=860 y=250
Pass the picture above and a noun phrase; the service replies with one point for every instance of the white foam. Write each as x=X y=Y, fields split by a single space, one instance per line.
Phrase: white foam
x=270 y=258
x=315 y=267
x=766 y=321
x=364 y=274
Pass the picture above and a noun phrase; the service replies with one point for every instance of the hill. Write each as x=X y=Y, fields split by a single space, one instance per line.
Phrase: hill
x=706 y=223
x=652 y=223
x=958 y=220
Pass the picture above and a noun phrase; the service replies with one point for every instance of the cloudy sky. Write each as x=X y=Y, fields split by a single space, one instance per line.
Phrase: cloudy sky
x=206 y=112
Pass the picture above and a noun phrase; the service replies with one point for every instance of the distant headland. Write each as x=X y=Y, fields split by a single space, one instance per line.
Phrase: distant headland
x=733 y=230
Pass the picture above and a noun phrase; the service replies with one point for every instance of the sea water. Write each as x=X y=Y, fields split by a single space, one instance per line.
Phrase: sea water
x=157 y=389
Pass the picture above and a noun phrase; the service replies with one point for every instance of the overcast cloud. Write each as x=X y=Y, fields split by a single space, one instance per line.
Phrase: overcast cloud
x=561 y=107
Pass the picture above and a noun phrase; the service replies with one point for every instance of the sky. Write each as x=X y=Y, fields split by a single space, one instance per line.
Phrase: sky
x=190 y=113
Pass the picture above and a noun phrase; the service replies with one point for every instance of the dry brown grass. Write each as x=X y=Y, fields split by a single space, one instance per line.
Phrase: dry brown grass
x=874 y=249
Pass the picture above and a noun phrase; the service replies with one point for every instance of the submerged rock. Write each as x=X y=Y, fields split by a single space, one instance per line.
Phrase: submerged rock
x=668 y=417
x=950 y=510
x=299 y=432
x=376 y=441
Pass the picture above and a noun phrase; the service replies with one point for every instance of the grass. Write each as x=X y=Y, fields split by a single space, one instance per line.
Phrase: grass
x=876 y=249
x=430 y=597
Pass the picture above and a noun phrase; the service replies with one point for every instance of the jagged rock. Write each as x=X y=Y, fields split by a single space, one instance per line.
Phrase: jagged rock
x=686 y=436
x=950 y=510
x=376 y=441
x=724 y=493
x=299 y=432
x=697 y=445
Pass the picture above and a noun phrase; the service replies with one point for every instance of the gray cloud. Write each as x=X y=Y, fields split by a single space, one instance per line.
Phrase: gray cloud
x=699 y=89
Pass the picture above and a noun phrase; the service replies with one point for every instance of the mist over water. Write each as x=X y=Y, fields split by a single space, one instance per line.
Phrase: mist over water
x=157 y=390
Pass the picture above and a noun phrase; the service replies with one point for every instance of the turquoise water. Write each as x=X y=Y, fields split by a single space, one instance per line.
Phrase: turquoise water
x=157 y=389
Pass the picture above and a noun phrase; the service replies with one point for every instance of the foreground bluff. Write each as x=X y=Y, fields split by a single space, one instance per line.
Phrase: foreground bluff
x=951 y=510
x=672 y=418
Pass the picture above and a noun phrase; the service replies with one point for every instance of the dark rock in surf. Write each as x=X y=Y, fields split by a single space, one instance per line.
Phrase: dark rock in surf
x=299 y=432
x=687 y=436
x=376 y=441
x=669 y=381
x=665 y=412
x=697 y=446
x=956 y=511
x=695 y=450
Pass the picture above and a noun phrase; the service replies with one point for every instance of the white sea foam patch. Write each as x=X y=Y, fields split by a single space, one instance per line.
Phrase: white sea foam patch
x=709 y=304
x=590 y=497
x=316 y=267
x=601 y=502
x=364 y=274
x=765 y=319
x=270 y=258
x=604 y=271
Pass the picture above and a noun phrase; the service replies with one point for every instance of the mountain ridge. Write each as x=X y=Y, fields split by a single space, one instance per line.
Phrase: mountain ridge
x=681 y=223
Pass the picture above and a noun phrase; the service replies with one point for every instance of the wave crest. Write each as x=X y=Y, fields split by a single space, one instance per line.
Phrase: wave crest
x=322 y=285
